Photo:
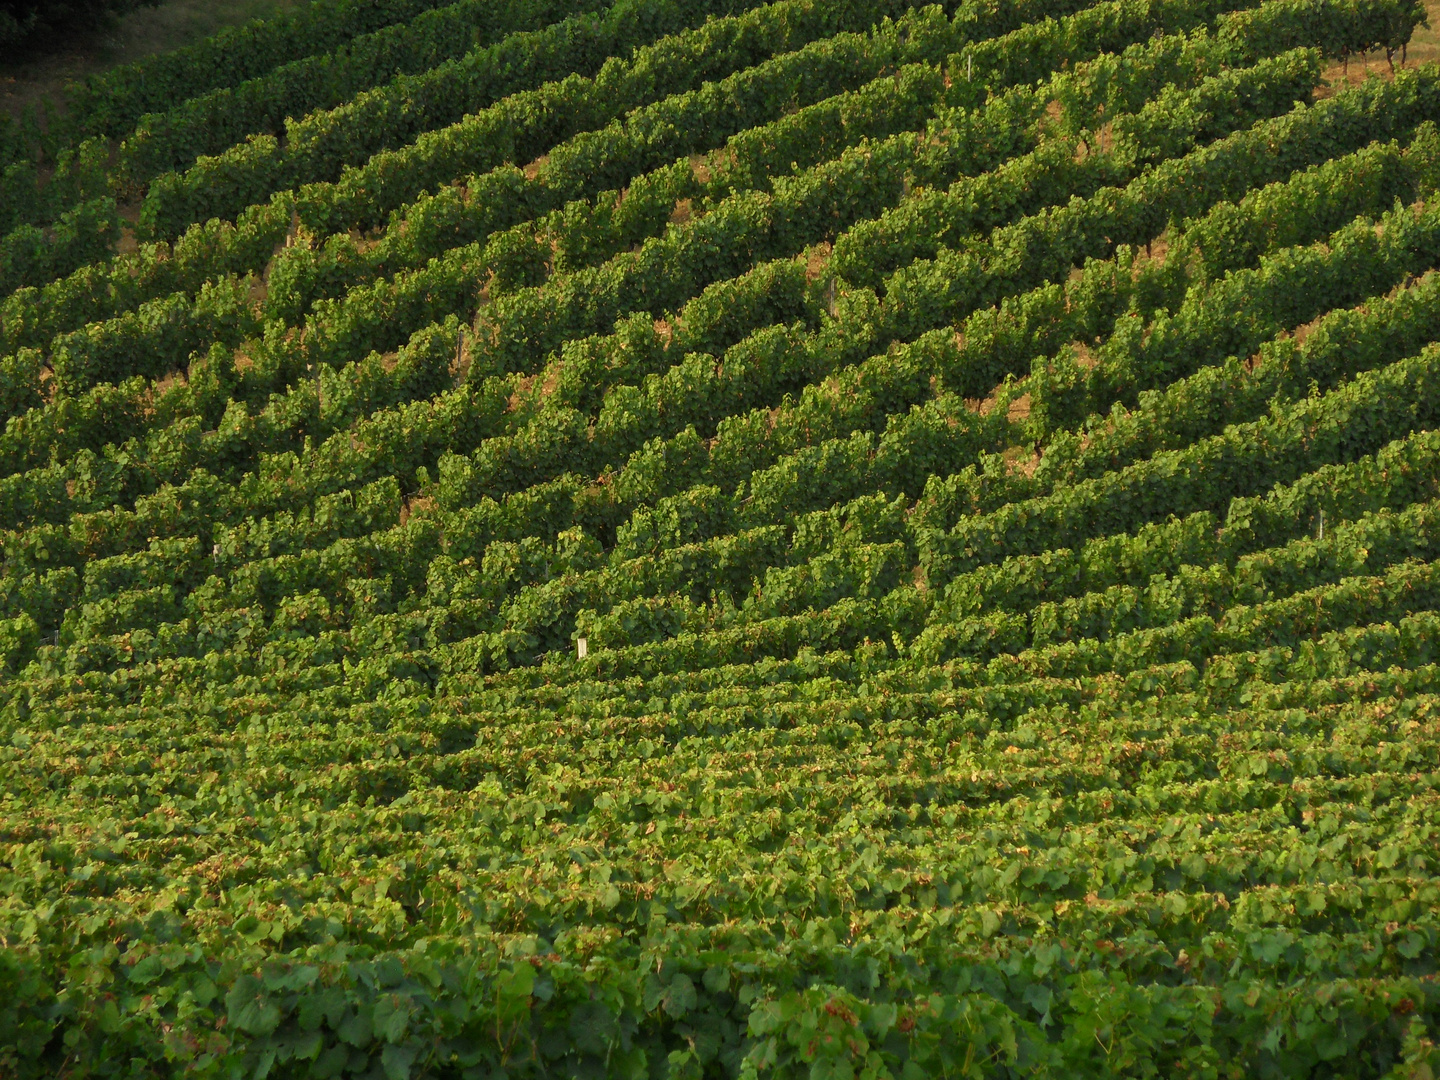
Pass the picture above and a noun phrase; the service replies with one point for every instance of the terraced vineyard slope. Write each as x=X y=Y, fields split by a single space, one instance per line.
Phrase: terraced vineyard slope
x=709 y=538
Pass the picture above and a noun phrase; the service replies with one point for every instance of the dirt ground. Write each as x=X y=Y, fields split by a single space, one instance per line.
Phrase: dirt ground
x=1424 y=48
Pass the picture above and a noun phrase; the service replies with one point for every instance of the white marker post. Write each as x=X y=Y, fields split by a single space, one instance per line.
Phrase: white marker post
x=582 y=648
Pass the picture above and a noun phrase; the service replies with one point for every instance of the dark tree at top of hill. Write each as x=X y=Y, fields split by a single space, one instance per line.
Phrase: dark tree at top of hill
x=42 y=24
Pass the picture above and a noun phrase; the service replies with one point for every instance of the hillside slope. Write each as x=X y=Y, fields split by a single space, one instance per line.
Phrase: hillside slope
x=704 y=538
